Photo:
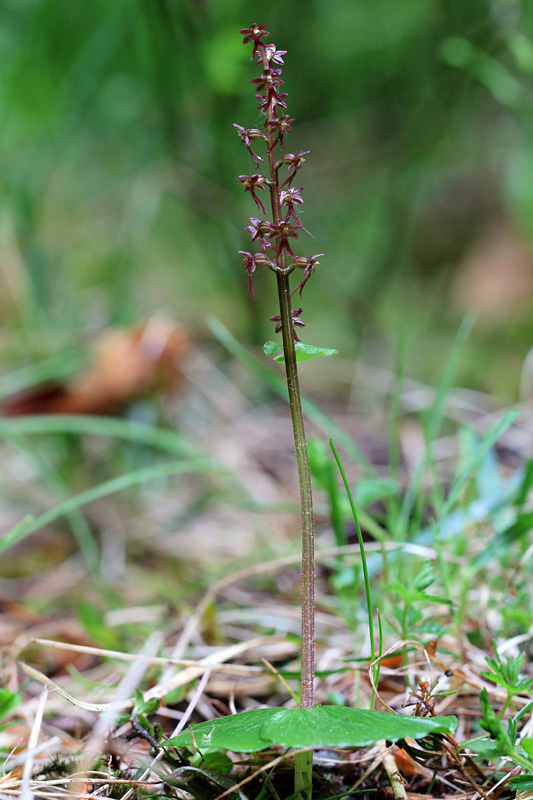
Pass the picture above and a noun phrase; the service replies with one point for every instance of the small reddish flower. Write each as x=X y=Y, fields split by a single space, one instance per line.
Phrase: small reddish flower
x=271 y=55
x=290 y=197
x=282 y=125
x=254 y=34
x=251 y=184
x=251 y=262
x=267 y=84
x=283 y=232
x=249 y=135
x=272 y=101
x=268 y=80
x=308 y=265
x=293 y=162
x=260 y=229
x=296 y=322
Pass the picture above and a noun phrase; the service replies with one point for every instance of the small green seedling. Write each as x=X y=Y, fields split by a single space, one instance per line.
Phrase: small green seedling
x=507 y=674
x=504 y=741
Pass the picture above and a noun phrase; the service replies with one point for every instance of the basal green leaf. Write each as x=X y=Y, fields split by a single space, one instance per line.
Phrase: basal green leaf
x=338 y=726
x=491 y=676
x=241 y=732
x=321 y=726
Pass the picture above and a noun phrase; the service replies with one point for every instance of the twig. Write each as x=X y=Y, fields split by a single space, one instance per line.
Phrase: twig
x=394 y=775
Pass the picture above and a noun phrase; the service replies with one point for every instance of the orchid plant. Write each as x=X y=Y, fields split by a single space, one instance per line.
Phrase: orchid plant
x=274 y=237
x=308 y=726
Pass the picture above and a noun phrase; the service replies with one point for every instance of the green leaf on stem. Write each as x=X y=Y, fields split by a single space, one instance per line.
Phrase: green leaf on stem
x=304 y=351
x=321 y=726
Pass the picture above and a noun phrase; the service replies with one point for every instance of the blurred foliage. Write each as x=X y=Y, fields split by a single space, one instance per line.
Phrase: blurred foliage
x=118 y=165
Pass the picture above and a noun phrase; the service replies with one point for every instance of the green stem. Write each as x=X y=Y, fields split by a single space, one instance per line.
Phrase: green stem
x=521 y=760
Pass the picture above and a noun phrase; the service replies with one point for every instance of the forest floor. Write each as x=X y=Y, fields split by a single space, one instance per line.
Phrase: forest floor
x=149 y=580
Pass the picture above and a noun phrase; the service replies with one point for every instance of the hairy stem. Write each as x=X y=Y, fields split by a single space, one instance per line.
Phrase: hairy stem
x=302 y=458
x=303 y=761
x=306 y=499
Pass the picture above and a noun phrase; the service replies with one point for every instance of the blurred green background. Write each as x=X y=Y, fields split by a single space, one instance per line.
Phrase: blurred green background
x=119 y=161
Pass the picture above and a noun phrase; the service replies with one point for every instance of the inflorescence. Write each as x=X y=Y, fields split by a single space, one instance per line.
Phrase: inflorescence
x=276 y=235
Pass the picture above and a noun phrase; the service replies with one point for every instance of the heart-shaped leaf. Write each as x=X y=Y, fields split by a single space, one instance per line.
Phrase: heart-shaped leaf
x=321 y=726
x=304 y=351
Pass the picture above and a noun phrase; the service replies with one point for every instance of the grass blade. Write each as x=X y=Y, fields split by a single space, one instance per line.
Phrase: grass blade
x=368 y=593
x=29 y=526
x=161 y=438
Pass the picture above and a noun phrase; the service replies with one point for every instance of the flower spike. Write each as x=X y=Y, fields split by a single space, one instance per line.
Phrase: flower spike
x=278 y=233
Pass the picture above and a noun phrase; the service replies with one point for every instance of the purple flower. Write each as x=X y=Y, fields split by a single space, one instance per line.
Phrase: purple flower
x=283 y=232
x=268 y=80
x=272 y=55
x=260 y=229
x=254 y=34
x=249 y=135
x=267 y=84
x=271 y=101
x=251 y=262
x=296 y=322
x=290 y=197
x=251 y=184
x=293 y=162
x=282 y=125
x=308 y=265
